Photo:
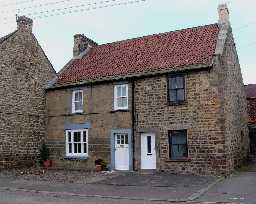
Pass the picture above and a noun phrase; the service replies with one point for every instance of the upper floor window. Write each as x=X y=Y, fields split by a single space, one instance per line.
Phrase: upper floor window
x=176 y=89
x=178 y=147
x=77 y=101
x=77 y=143
x=121 y=97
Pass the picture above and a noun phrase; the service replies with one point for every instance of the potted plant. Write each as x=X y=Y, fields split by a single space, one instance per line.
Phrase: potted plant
x=44 y=156
x=100 y=165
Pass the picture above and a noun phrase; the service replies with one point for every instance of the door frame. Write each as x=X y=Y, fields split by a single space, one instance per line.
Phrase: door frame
x=151 y=134
x=130 y=146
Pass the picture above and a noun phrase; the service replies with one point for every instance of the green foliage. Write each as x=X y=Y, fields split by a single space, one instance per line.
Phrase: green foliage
x=44 y=153
x=103 y=164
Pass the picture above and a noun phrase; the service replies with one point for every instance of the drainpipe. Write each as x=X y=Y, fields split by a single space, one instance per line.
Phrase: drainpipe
x=133 y=126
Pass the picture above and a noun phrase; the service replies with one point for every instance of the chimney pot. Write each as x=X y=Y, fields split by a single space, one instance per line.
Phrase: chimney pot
x=223 y=14
x=24 y=23
x=81 y=45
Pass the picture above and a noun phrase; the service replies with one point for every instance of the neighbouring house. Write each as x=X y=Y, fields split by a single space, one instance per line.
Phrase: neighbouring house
x=172 y=102
x=24 y=73
x=250 y=90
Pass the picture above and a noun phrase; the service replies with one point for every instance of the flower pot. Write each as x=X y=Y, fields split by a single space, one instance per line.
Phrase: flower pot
x=47 y=163
x=98 y=167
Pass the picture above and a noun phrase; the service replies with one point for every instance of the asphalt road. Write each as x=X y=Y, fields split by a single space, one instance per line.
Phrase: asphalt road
x=239 y=188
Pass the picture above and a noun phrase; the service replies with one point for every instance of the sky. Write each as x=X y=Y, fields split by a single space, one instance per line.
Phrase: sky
x=56 y=22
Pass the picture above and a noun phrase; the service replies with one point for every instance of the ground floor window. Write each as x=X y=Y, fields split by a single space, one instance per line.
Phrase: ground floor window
x=178 y=147
x=77 y=143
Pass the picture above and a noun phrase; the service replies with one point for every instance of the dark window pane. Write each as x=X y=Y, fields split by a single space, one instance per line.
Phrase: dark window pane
x=78 y=105
x=77 y=96
x=122 y=139
x=178 y=144
x=84 y=137
x=149 y=144
x=75 y=148
x=77 y=136
x=180 y=95
x=126 y=139
x=173 y=95
x=179 y=139
x=119 y=91
x=85 y=148
x=172 y=83
x=180 y=82
x=69 y=136
x=124 y=91
x=124 y=102
x=79 y=148
x=70 y=148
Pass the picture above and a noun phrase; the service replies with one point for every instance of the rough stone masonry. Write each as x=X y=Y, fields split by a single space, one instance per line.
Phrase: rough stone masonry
x=24 y=74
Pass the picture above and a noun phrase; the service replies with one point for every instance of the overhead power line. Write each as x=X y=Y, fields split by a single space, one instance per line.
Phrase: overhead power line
x=84 y=7
x=81 y=8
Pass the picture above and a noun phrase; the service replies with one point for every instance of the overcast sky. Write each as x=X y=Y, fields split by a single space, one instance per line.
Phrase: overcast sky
x=103 y=25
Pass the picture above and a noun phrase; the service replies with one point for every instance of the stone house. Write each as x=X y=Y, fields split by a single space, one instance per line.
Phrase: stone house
x=169 y=102
x=250 y=90
x=24 y=73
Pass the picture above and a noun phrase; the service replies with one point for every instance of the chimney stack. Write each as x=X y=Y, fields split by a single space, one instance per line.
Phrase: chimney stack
x=24 y=23
x=223 y=14
x=82 y=45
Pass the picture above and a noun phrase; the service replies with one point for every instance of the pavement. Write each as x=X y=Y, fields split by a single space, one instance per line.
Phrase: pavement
x=123 y=188
x=130 y=188
x=240 y=187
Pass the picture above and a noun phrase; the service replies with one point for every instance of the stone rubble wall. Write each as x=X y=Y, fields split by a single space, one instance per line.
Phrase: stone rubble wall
x=24 y=74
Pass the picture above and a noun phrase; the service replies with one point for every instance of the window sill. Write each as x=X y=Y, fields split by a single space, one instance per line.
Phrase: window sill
x=120 y=110
x=78 y=113
x=76 y=158
x=179 y=160
x=177 y=103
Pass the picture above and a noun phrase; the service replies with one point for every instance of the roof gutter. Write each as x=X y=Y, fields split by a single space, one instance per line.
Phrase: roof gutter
x=181 y=69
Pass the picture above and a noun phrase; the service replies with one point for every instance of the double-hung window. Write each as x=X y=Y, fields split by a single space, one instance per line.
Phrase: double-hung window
x=176 y=89
x=178 y=147
x=77 y=143
x=77 y=101
x=121 y=97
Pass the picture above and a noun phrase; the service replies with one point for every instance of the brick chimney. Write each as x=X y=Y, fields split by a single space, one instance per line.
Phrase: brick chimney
x=223 y=14
x=82 y=45
x=24 y=23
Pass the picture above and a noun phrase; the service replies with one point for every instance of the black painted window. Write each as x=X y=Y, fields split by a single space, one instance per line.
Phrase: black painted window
x=178 y=147
x=176 y=89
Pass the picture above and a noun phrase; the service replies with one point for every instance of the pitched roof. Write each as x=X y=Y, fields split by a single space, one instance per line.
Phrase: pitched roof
x=2 y=39
x=145 y=55
x=250 y=90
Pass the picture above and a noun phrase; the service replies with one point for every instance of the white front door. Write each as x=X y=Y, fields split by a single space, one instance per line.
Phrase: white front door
x=121 y=151
x=148 y=151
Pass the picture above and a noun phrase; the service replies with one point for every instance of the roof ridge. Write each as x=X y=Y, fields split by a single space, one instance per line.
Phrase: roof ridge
x=155 y=34
x=4 y=38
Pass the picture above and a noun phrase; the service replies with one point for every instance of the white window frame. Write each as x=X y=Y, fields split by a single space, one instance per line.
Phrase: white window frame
x=72 y=154
x=116 y=97
x=73 y=101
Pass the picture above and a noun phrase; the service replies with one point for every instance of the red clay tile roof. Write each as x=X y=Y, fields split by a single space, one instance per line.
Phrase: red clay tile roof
x=139 y=56
x=250 y=91
x=251 y=107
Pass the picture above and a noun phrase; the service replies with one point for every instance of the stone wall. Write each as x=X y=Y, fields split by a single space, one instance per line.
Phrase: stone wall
x=235 y=106
x=214 y=116
x=201 y=115
x=98 y=111
x=24 y=73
